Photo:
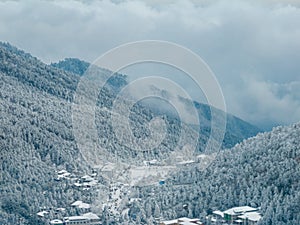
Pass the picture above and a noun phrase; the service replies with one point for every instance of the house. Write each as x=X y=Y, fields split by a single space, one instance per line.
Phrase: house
x=182 y=221
x=244 y=215
x=231 y=215
x=63 y=174
x=42 y=213
x=185 y=162
x=94 y=219
x=87 y=178
x=238 y=221
x=60 y=209
x=77 y=184
x=81 y=205
x=152 y=162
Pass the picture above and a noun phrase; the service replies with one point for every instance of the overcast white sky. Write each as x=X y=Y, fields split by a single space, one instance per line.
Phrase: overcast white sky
x=253 y=47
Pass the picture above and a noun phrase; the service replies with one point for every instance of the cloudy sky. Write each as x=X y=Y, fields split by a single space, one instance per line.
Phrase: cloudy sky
x=253 y=47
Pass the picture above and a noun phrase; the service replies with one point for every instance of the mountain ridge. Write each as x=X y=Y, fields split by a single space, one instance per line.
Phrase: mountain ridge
x=239 y=129
x=37 y=139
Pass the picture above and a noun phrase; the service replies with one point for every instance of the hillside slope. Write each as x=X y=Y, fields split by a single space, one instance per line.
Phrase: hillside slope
x=262 y=171
x=236 y=131
x=37 y=139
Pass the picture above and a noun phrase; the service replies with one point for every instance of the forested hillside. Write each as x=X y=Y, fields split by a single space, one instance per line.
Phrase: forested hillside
x=237 y=129
x=261 y=172
x=37 y=140
x=35 y=136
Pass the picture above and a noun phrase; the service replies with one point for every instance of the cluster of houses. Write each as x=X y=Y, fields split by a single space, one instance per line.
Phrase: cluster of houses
x=243 y=215
x=85 y=182
x=87 y=218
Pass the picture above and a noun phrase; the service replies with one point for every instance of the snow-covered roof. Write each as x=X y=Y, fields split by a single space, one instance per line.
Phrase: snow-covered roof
x=42 y=213
x=253 y=216
x=153 y=161
x=76 y=203
x=87 y=178
x=63 y=175
x=77 y=184
x=169 y=222
x=90 y=183
x=239 y=210
x=91 y=216
x=185 y=219
x=219 y=213
x=134 y=200
x=56 y=221
x=62 y=171
x=213 y=219
x=61 y=209
x=81 y=205
x=75 y=218
x=84 y=206
x=186 y=162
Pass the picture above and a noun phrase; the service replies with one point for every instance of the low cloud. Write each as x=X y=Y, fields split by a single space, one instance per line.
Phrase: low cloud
x=259 y=38
x=267 y=103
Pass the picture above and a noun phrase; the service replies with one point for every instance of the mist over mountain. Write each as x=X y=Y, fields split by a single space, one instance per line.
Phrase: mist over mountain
x=237 y=129
x=37 y=140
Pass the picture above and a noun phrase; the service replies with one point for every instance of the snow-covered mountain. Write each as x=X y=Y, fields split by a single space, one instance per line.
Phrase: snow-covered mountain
x=37 y=140
x=237 y=129
x=262 y=171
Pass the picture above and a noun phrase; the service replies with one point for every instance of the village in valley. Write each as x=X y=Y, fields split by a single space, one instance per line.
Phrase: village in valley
x=118 y=193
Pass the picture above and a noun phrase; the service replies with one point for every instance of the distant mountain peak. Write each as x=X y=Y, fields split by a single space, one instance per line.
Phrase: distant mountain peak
x=72 y=65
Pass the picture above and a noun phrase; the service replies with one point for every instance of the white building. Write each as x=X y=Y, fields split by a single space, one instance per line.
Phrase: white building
x=81 y=205
x=76 y=220
x=236 y=215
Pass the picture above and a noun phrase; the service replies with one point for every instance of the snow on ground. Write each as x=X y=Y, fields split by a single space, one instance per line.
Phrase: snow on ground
x=148 y=175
